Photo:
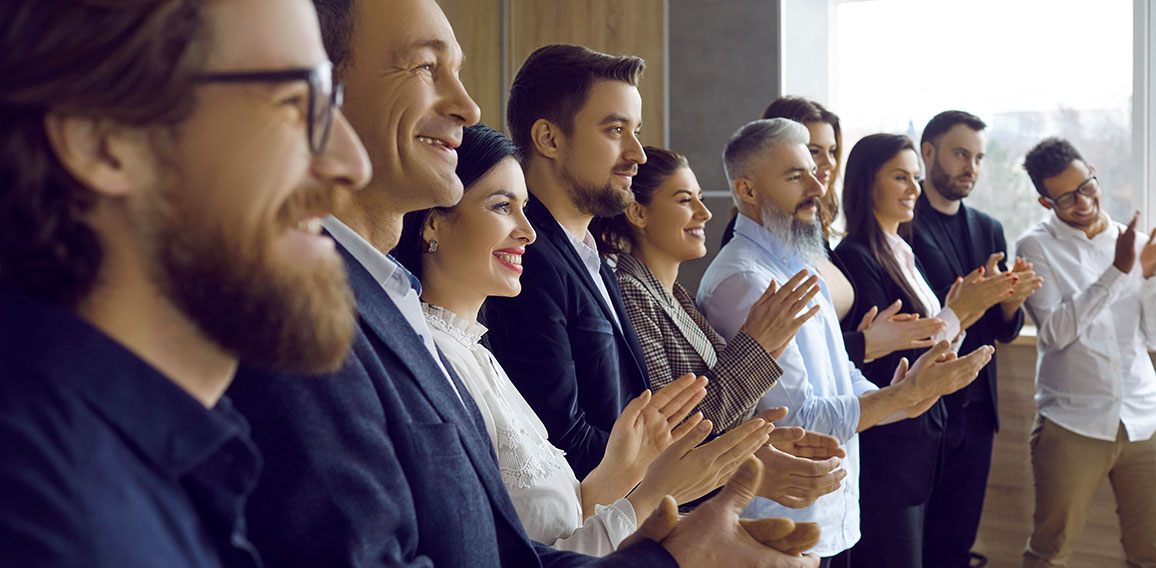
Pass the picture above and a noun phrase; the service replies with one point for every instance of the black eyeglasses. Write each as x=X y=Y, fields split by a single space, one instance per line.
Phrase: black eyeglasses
x=325 y=96
x=1088 y=188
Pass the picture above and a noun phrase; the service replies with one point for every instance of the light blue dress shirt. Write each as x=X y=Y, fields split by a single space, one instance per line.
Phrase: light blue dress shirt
x=820 y=385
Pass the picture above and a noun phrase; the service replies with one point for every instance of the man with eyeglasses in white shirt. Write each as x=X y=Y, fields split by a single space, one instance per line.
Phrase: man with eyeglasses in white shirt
x=1095 y=384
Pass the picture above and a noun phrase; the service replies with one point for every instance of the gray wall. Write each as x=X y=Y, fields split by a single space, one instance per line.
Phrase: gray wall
x=723 y=70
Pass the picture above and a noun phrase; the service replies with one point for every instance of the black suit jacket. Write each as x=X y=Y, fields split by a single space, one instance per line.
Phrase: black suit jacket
x=381 y=464
x=901 y=460
x=559 y=344
x=932 y=245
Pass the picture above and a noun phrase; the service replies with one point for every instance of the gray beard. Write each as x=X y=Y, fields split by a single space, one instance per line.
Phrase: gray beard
x=806 y=238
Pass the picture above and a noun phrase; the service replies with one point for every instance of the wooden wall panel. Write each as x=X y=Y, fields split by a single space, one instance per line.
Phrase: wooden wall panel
x=618 y=27
x=478 y=27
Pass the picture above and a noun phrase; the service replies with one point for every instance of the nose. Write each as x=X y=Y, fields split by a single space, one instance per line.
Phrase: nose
x=634 y=152
x=701 y=211
x=814 y=187
x=344 y=162
x=458 y=103
x=523 y=230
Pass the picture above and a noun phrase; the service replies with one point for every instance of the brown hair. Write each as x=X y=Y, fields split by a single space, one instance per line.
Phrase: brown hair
x=554 y=82
x=863 y=165
x=615 y=234
x=803 y=110
x=129 y=61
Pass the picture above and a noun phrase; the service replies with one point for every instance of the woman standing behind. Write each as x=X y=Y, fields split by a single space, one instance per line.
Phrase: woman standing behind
x=900 y=460
x=473 y=250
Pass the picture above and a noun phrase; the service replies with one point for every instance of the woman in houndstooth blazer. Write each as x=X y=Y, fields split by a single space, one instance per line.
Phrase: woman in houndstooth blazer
x=662 y=228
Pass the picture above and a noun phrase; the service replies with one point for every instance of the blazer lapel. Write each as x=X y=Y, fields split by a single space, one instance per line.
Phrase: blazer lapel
x=975 y=235
x=674 y=311
x=546 y=226
x=387 y=323
x=628 y=333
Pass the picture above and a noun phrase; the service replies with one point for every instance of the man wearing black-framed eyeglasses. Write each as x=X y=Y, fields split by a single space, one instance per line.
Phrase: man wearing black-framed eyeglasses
x=1095 y=383
x=164 y=175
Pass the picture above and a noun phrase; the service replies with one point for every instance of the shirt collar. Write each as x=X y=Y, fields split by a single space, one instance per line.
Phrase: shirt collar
x=759 y=235
x=165 y=423
x=1063 y=230
x=586 y=247
x=388 y=272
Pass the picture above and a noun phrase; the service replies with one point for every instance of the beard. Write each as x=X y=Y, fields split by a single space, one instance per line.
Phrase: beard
x=599 y=201
x=228 y=279
x=805 y=237
x=946 y=185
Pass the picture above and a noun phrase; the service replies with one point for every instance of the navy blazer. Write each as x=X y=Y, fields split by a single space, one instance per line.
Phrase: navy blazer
x=558 y=342
x=931 y=243
x=900 y=461
x=381 y=464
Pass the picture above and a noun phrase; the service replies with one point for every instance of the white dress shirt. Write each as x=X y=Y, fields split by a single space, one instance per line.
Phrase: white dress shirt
x=1095 y=327
x=541 y=483
x=915 y=279
x=820 y=385
x=401 y=286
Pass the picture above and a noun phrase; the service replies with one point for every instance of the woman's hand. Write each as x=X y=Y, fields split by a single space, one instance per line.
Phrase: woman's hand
x=774 y=318
x=890 y=331
x=649 y=425
x=688 y=471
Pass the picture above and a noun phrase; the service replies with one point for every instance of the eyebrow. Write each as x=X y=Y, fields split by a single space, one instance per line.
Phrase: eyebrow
x=503 y=192
x=901 y=170
x=615 y=117
x=433 y=44
x=795 y=170
x=686 y=191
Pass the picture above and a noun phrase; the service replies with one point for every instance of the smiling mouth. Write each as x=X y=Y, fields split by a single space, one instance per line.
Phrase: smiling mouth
x=510 y=258
x=309 y=225
x=696 y=232
x=435 y=142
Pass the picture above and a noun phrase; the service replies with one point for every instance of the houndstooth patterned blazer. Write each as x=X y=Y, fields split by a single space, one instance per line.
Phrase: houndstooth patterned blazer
x=676 y=339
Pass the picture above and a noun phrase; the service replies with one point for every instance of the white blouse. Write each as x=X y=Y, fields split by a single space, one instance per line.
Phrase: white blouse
x=540 y=481
x=906 y=258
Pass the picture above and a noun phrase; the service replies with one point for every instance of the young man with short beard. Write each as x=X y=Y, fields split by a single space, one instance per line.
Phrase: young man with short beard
x=387 y=462
x=164 y=167
x=777 y=234
x=950 y=240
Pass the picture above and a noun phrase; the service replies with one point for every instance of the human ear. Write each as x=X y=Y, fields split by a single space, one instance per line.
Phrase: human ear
x=636 y=215
x=1047 y=204
x=928 y=151
x=108 y=158
x=745 y=189
x=544 y=136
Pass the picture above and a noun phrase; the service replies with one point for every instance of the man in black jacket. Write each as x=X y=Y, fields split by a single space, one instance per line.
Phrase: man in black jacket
x=951 y=240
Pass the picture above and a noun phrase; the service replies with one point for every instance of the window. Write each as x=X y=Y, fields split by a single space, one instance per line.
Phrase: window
x=1030 y=68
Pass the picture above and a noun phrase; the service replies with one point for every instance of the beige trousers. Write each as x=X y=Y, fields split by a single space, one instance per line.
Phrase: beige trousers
x=1068 y=469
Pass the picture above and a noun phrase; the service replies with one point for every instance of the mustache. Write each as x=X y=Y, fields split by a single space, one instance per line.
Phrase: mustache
x=814 y=201
x=626 y=167
x=311 y=201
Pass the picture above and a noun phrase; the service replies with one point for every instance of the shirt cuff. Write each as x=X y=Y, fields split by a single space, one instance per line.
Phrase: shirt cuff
x=952 y=331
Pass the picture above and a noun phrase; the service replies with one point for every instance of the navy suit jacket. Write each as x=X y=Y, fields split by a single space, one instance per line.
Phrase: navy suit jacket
x=931 y=243
x=560 y=346
x=381 y=464
x=900 y=460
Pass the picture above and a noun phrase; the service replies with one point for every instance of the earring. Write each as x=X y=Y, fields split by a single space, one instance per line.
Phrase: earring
x=432 y=248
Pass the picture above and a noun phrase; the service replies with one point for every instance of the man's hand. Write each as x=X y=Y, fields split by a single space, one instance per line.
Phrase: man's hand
x=797 y=482
x=1148 y=256
x=1126 y=246
x=712 y=535
x=774 y=318
x=970 y=296
x=889 y=331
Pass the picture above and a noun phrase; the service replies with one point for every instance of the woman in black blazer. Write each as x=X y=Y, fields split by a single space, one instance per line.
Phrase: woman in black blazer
x=899 y=461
